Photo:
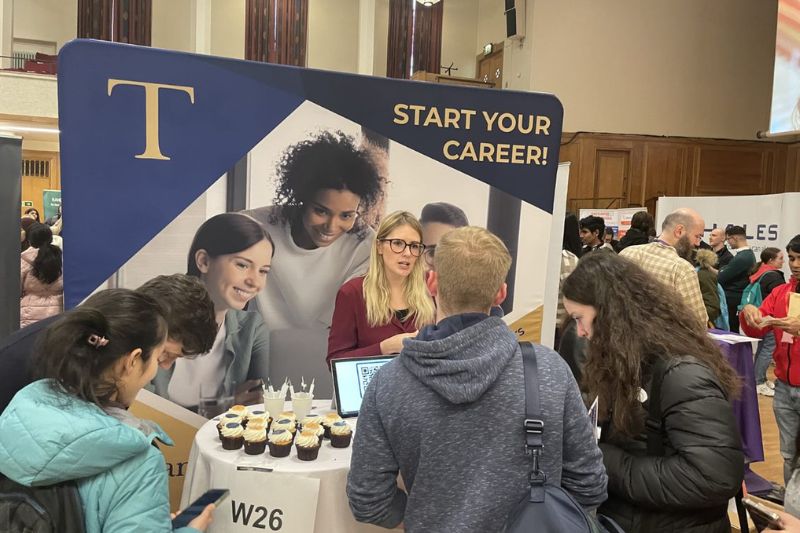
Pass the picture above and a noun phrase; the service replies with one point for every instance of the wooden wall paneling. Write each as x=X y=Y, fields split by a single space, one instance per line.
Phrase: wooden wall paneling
x=792 y=177
x=729 y=171
x=612 y=168
x=665 y=169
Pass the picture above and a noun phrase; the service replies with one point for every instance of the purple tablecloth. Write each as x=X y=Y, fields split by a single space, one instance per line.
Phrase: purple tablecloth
x=745 y=408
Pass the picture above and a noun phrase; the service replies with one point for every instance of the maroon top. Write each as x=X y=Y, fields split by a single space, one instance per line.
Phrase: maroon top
x=351 y=335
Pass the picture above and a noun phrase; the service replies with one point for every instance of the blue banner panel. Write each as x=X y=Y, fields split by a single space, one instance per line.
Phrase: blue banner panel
x=144 y=132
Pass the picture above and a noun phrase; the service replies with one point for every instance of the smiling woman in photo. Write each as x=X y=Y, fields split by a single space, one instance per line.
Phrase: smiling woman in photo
x=376 y=312
x=325 y=183
x=232 y=255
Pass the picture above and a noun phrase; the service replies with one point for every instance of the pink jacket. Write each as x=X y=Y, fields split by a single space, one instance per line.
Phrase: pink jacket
x=38 y=300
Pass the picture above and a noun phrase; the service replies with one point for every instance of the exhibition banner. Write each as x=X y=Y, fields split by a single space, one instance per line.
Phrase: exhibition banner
x=770 y=220
x=51 y=199
x=145 y=133
x=617 y=219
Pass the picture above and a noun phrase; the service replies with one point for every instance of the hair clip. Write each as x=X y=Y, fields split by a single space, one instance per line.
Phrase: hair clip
x=98 y=341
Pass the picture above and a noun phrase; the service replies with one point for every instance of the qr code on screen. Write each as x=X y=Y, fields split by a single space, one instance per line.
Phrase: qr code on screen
x=365 y=373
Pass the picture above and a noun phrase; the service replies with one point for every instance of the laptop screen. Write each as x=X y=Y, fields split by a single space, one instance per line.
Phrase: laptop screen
x=350 y=380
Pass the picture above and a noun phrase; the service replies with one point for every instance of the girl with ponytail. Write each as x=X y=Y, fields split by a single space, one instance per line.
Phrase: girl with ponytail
x=73 y=423
x=41 y=280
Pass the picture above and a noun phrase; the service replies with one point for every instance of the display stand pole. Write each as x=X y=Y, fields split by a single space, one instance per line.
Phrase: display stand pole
x=10 y=200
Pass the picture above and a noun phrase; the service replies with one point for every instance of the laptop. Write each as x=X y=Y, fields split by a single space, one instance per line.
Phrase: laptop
x=350 y=379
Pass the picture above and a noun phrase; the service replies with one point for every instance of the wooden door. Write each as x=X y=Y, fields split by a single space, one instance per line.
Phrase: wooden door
x=611 y=179
x=490 y=68
x=40 y=171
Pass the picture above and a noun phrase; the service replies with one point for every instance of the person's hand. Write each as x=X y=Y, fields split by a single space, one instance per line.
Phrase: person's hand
x=249 y=392
x=790 y=324
x=787 y=523
x=203 y=520
x=752 y=316
x=395 y=343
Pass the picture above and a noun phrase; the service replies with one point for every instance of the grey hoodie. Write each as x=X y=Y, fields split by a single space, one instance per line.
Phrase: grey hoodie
x=447 y=414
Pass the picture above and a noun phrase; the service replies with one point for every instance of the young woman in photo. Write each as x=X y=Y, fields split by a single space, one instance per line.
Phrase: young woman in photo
x=231 y=254
x=639 y=335
x=324 y=184
x=41 y=279
x=73 y=423
x=376 y=312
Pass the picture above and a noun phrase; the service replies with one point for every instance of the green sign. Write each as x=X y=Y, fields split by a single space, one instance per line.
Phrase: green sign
x=52 y=201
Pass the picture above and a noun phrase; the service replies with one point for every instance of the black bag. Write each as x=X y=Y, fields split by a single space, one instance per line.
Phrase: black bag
x=548 y=508
x=51 y=509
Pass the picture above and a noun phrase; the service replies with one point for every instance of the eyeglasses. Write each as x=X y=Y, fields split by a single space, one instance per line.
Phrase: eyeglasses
x=398 y=246
x=428 y=254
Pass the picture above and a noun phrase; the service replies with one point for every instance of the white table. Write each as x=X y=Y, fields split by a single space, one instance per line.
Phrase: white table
x=210 y=466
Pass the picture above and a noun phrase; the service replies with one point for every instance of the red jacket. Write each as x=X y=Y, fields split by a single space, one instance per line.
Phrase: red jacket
x=786 y=355
x=351 y=335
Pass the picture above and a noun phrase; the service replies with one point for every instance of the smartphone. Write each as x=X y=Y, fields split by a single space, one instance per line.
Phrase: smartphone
x=763 y=517
x=214 y=496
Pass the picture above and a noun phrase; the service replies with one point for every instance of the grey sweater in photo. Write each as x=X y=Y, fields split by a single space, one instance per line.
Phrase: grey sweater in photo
x=447 y=414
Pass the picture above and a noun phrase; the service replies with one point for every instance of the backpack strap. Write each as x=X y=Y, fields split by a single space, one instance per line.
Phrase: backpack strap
x=534 y=423
x=653 y=426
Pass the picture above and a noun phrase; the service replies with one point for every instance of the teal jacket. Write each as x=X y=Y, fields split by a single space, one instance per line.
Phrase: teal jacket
x=47 y=437
x=246 y=352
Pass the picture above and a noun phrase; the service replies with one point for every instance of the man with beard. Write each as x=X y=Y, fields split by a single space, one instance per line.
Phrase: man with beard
x=717 y=242
x=736 y=275
x=668 y=258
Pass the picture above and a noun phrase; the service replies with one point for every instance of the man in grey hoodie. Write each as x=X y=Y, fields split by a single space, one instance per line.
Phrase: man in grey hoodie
x=447 y=413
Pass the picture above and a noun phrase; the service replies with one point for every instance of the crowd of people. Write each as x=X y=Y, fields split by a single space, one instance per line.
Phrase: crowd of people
x=446 y=415
x=41 y=280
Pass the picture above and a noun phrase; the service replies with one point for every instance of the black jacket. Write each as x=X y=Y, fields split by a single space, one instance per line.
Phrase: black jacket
x=632 y=237
x=687 y=490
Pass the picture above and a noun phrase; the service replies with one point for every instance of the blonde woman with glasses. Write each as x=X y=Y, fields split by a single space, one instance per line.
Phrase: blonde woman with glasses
x=374 y=313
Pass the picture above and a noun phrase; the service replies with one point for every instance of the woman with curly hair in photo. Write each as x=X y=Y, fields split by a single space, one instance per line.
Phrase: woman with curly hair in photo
x=324 y=184
x=641 y=338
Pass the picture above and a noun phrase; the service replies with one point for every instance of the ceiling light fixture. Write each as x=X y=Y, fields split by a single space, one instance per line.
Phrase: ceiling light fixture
x=428 y=3
x=29 y=129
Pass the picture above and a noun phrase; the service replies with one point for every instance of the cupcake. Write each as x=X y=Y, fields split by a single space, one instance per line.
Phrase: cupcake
x=288 y=414
x=316 y=428
x=284 y=423
x=307 y=444
x=312 y=418
x=227 y=418
x=255 y=439
x=258 y=416
x=240 y=410
x=280 y=442
x=232 y=436
x=328 y=420
x=341 y=434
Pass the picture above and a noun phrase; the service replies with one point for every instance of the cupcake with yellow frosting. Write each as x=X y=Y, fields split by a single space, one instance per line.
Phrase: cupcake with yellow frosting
x=316 y=428
x=313 y=417
x=341 y=434
x=255 y=439
x=258 y=416
x=232 y=436
x=307 y=444
x=284 y=423
x=328 y=420
x=280 y=442
x=288 y=414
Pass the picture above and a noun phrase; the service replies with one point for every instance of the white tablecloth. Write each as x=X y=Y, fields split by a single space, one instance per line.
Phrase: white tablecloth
x=210 y=466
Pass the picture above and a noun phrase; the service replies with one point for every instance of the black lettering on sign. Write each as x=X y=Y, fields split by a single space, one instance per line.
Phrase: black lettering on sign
x=243 y=512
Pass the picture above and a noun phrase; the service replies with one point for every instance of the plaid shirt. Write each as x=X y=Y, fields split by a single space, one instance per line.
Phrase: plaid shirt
x=568 y=263
x=663 y=262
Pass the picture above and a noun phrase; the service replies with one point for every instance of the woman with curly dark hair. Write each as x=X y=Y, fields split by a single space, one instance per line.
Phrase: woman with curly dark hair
x=642 y=338
x=325 y=183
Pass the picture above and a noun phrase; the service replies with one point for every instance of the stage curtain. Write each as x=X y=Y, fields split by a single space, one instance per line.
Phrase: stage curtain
x=276 y=31
x=122 y=21
x=428 y=38
x=414 y=30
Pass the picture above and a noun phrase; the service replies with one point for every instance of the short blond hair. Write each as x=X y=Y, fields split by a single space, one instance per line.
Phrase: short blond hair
x=471 y=264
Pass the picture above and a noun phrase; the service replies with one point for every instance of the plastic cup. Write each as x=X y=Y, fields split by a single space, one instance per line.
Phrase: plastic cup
x=273 y=402
x=301 y=404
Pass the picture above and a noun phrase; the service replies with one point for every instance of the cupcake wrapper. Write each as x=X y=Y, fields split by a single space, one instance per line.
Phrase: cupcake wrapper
x=255 y=448
x=307 y=454
x=327 y=433
x=234 y=443
x=341 y=441
x=277 y=450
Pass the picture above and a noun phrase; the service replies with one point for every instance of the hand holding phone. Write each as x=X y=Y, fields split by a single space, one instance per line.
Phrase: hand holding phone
x=763 y=517
x=197 y=508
